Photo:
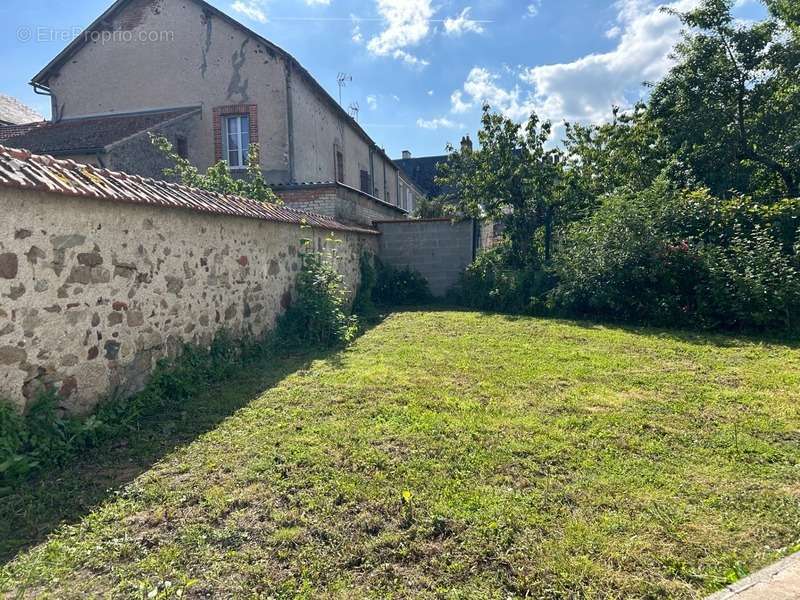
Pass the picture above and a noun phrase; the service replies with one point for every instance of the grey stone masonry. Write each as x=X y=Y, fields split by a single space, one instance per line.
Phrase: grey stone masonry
x=439 y=249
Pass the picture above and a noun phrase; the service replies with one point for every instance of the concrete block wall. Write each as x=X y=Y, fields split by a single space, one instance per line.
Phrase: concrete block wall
x=437 y=248
x=93 y=292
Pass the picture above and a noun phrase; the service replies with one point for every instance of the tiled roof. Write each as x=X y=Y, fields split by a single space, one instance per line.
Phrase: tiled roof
x=10 y=131
x=422 y=171
x=14 y=111
x=91 y=134
x=22 y=170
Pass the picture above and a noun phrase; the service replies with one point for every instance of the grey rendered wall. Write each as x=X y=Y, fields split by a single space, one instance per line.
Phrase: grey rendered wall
x=192 y=58
x=317 y=128
x=196 y=60
x=439 y=249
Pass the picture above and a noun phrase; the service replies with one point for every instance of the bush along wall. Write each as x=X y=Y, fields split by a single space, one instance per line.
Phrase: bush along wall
x=400 y=287
x=44 y=436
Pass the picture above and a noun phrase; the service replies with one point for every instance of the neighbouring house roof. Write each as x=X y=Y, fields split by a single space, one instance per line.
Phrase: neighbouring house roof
x=22 y=170
x=14 y=112
x=101 y=24
x=306 y=185
x=422 y=171
x=11 y=131
x=89 y=135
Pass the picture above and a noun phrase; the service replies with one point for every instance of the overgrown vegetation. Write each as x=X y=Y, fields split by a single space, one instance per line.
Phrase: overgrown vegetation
x=319 y=314
x=364 y=303
x=400 y=287
x=218 y=177
x=682 y=211
x=43 y=437
x=446 y=454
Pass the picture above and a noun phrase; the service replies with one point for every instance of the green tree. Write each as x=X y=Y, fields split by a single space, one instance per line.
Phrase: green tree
x=218 y=177
x=511 y=177
x=627 y=153
x=730 y=108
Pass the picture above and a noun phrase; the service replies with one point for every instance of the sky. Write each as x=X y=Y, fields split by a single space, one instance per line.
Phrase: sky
x=421 y=69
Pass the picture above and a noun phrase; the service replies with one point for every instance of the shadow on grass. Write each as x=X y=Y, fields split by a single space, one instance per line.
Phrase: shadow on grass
x=698 y=337
x=63 y=495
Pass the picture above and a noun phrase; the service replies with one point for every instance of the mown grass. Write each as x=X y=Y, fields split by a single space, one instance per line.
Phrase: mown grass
x=455 y=454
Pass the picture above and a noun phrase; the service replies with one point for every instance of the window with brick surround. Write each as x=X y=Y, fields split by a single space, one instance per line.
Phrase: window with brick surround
x=235 y=128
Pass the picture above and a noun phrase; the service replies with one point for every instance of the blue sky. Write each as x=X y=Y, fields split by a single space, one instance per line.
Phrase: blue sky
x=421 y=68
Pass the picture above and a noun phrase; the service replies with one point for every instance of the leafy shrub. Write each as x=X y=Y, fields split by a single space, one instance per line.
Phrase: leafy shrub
x=618 y=264
x=318 y=315
x=42 y=437
x=363 y=303
x=751 y=283
x=491 y=284
x=668 y=257
x=400 y=287
x=218 y=177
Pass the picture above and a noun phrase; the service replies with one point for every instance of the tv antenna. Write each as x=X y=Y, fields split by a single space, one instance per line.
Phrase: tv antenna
x=354 y=108
x=341 y=80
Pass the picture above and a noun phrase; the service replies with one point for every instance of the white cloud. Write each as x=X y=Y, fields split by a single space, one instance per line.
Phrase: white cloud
x=410 y=59
x=462 y=24
x=430 y=92
x=252 y=9
x=440 y=123
x=357 y=36
x=483 y=87
x=457 y=102
x=585 y=90
x=407 y=24
x=533 y=9
x=256 y=9
x=372 y=102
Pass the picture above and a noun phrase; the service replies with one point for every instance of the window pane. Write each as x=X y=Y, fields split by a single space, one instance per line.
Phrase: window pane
x=233 y=125
x=233 y=151
x=245 y=142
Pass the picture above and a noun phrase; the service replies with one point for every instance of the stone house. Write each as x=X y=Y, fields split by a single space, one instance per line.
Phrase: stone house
x=186 y=70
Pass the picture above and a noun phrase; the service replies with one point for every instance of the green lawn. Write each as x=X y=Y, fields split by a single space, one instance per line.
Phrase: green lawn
x=448 y=454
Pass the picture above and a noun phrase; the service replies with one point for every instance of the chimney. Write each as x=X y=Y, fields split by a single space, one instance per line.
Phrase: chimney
x=406 y=154
x=466 y=144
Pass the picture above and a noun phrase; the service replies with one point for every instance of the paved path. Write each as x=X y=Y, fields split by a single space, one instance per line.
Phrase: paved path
x=779 y=581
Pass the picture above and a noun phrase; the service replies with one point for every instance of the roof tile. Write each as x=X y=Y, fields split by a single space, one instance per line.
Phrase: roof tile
x=22 y=170
x=89 y=134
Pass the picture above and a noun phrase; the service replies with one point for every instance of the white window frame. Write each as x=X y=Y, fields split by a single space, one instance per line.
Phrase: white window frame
x=243 y=122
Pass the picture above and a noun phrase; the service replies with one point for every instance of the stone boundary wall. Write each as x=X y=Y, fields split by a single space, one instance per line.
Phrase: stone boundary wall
x=93 y=292
x=339 y=202
x=438 y=249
